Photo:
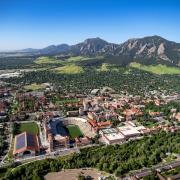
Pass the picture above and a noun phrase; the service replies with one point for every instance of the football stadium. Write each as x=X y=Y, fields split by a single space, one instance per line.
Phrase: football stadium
x=67 y=132
x=72 y=127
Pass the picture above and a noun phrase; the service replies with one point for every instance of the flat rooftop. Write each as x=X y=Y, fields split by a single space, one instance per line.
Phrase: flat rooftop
x=128 y=130
x=109 y=131
x=114 y=136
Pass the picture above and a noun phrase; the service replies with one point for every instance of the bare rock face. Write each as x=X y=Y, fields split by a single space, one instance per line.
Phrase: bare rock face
x=161 y=49
x=142 y=49
x=178 y=63
x=132 y=44
x=152 y=48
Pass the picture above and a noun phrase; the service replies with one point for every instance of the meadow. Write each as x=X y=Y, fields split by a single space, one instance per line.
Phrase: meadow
x=69 y=69
x=47 y=60
x=156 y=69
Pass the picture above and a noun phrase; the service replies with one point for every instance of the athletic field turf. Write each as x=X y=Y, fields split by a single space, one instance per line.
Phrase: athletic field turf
x=74 y=131
x=30 y=127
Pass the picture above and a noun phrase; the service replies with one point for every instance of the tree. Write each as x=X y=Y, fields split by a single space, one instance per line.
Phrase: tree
x=81 y=177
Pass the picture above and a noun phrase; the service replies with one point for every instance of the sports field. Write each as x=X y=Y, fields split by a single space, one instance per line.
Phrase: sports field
x=30 y=127
x=74 y=131
x=34 y=87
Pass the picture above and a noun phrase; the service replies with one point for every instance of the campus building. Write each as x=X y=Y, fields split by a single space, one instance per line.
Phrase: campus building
x=111 y=136
x=26 y=144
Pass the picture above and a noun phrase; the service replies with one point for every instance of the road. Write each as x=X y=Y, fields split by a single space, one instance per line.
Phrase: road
x=55 y=154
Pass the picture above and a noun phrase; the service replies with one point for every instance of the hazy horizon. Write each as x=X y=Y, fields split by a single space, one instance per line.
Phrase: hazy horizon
x=38 y=24
x=10 y=50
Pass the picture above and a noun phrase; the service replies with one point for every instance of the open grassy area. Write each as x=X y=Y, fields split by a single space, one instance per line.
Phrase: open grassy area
x=81 y=58
x=108 y=67
x=74 y=131
x=65 y=101
x=77 y=59
x=52 y=60
x=69 y=69
x=47 y=60
x=30 y=127
x=34 y=87
x=156 y=69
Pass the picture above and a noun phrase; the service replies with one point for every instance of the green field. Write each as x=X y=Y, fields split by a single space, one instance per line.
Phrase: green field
x=108 y=67
x=30 y=127
x=47 y=60
x=69 y=69
x=81 y=58
x=34 y=86
x=65 y=101
x=156 y=69
x=74 y=131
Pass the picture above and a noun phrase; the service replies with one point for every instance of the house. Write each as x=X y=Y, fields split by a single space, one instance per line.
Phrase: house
x=82 y=141
x=72 y=113
x=132 y=112
x=95 y=126
x=95 y=91
x=154 y=114
x=177 y=117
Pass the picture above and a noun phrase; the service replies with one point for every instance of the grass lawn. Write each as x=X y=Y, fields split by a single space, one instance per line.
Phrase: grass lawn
x=74 y=131
x=34 y=86
x=156 y=69
x=30 y=127
x=149 y=124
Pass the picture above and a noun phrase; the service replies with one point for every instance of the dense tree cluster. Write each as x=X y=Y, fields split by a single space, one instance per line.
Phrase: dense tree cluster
x=15 y=128
x=118 y=159
x=3 y=143
x=165 y=109
x=134 y=82
x=16 y=62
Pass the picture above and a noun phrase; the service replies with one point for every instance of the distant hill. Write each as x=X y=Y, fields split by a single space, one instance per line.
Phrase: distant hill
x=147 y=50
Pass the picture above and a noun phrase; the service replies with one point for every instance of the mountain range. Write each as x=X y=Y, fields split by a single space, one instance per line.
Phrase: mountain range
x=152 y=49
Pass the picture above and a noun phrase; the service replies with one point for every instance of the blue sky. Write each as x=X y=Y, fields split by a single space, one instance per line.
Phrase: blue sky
x=39 y=23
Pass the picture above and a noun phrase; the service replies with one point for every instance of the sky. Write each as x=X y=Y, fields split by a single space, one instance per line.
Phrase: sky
x=39 y=23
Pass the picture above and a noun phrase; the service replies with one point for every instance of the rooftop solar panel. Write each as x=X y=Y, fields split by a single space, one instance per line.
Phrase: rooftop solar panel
x=20 y=141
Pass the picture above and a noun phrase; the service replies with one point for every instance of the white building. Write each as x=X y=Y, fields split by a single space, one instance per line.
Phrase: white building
x=111 y=135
